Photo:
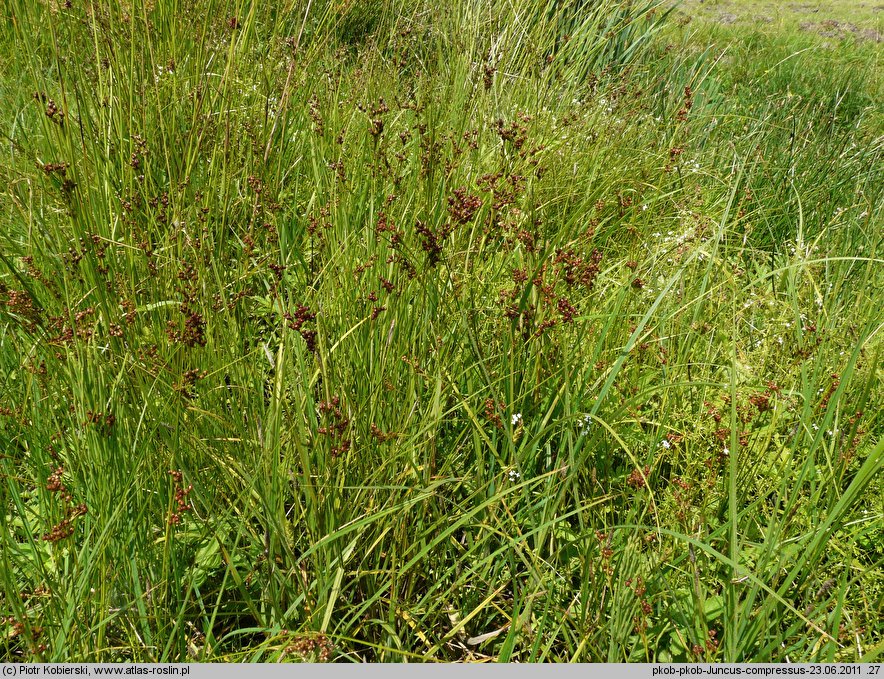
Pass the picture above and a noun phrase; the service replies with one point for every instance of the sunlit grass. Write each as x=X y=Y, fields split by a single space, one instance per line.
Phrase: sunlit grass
x=405 y=331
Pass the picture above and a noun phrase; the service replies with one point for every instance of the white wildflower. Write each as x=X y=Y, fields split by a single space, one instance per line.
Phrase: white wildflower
x=584 y=423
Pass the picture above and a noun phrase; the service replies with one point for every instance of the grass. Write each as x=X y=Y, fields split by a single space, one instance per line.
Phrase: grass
x=414 y=332
x=828 y=18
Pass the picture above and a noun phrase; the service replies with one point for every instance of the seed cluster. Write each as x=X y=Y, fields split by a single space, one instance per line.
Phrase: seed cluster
x=53 y=112
x=638 y=478
x=182 y=504
x=305 y=646
x=20 y=304
x=32 y=633
x=299 y=320
x=335 y=425
x=65 y=528
x=102 y=422
x=605 y=551
x=186 y=385
x=493 y=409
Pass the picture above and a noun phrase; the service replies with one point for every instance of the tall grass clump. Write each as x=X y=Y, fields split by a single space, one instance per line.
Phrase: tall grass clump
x=411 y=331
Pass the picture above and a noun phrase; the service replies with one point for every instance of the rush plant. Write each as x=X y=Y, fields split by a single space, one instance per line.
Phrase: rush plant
x=381 y=330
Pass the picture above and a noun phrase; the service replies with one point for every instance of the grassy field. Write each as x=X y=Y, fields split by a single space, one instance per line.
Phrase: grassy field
x=862 y=20
x=413 y=331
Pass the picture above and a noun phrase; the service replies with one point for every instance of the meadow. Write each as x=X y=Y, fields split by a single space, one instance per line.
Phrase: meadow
x=398 y=330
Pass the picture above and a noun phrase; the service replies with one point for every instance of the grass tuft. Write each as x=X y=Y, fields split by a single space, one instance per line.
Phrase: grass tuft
x=409 y=331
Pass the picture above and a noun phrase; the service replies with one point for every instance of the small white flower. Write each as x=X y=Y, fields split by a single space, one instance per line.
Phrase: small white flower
x=780 y=340
x=584 y=423
x=666 y=444
x=644 y=207
x=514 y=475
x=727 y=451
x=815 y=426
x=517 y=418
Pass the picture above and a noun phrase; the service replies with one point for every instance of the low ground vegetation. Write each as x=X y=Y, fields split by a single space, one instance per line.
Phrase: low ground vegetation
x=394 y=331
